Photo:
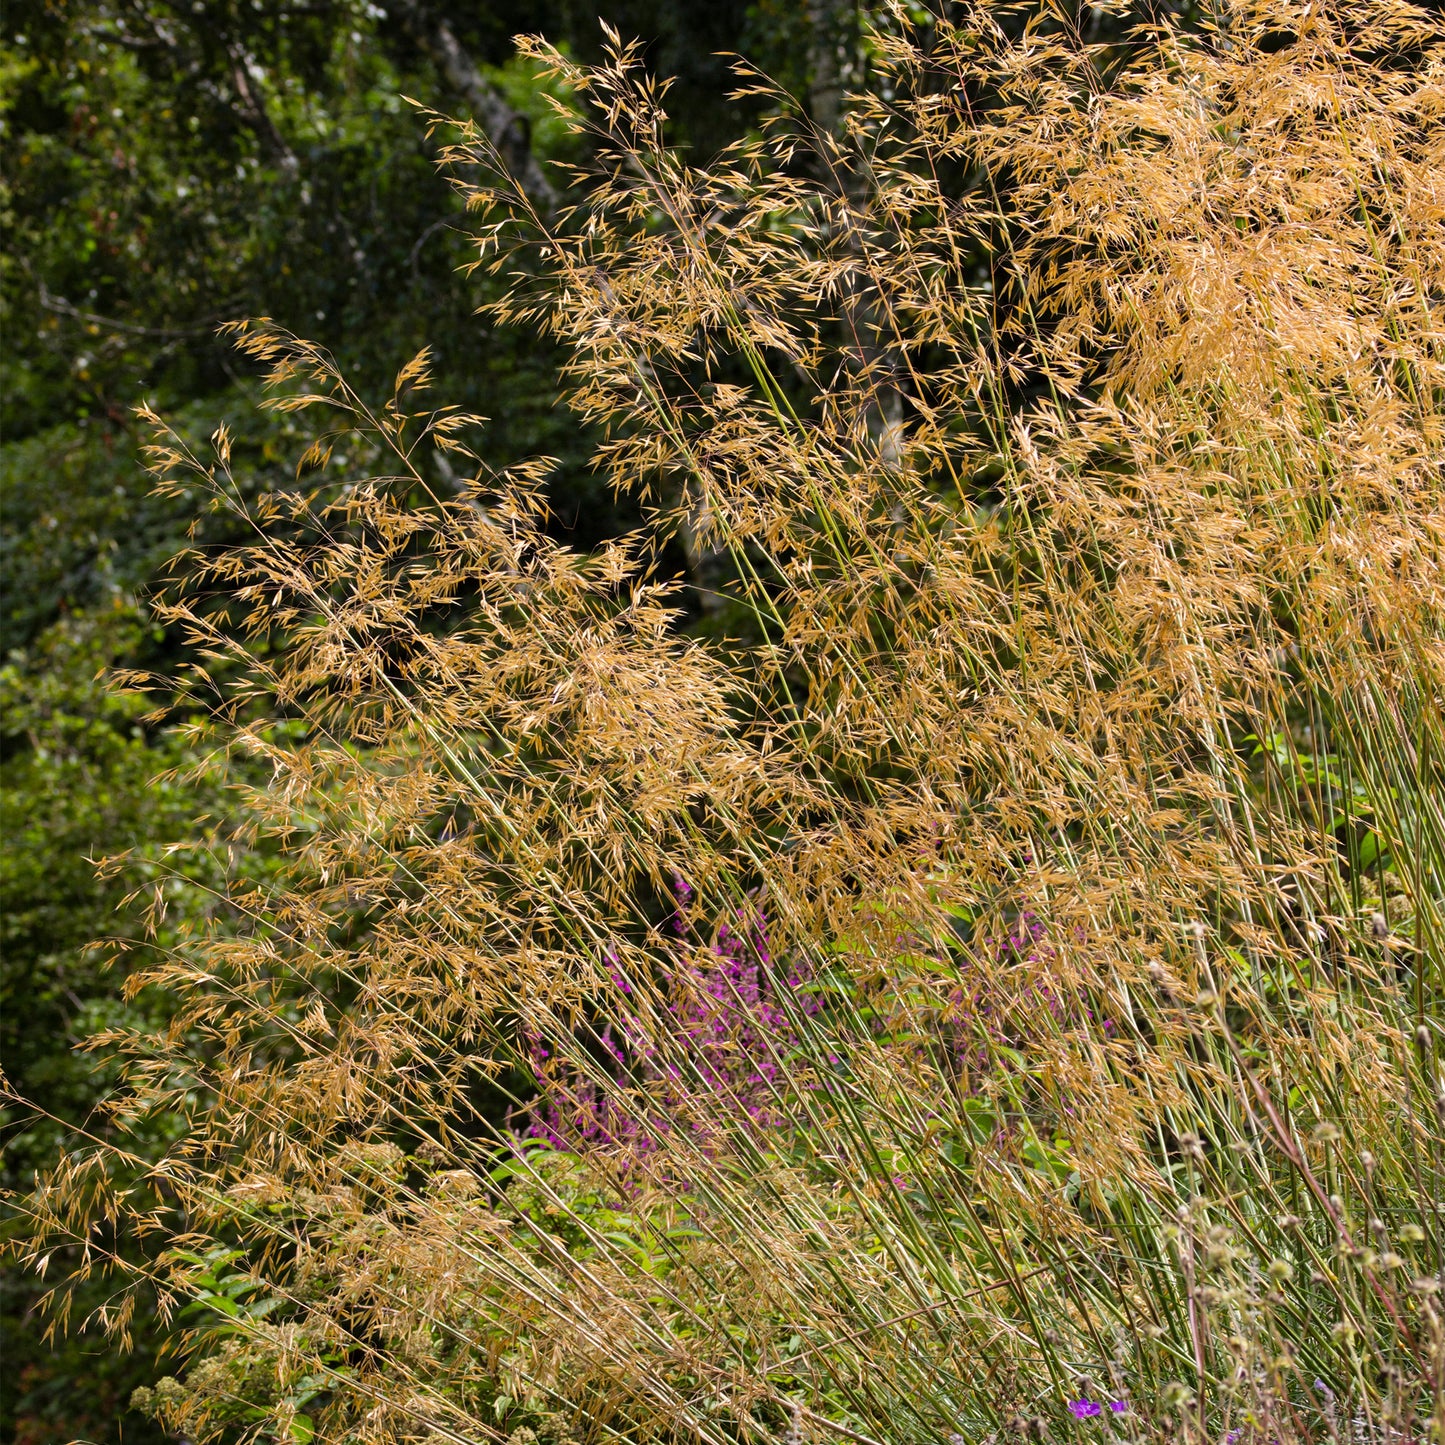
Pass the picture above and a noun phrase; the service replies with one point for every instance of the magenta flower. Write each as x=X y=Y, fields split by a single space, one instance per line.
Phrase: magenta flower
x=1083 y=1409
x=730 y=1013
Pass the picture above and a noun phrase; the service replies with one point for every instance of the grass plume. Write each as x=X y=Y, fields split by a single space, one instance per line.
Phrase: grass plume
x=985 y=983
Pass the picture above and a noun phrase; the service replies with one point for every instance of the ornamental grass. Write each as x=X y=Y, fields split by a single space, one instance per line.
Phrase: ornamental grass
x=935 y=937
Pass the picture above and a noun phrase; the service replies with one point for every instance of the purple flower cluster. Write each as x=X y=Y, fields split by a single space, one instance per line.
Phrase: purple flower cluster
x=713 y=1061
x=730 y=1013
x=1085 y=1409
x=728 y=1025
x=1022 y=942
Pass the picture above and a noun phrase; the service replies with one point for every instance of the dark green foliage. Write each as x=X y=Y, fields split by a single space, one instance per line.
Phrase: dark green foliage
x=147 y=203
x=76 y=784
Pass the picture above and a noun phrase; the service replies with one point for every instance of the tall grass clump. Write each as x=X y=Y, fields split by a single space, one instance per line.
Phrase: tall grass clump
x=983 y=980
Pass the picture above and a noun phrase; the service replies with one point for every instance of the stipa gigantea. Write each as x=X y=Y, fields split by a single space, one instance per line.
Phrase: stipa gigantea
x=1069 y=461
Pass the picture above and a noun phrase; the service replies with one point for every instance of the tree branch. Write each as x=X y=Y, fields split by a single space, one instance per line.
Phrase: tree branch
x=61 y=307
x=253 y=107
x=509 y=130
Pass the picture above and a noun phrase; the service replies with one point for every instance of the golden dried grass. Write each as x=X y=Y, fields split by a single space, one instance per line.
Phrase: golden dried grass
x=1073 y=716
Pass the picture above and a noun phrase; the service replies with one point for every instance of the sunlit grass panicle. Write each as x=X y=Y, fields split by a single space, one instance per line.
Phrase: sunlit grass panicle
x=1061 y=449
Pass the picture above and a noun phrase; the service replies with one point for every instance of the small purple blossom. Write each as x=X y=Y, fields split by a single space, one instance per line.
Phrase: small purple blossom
x=614 y=970
x=682 y=891
x=1087 y=1409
